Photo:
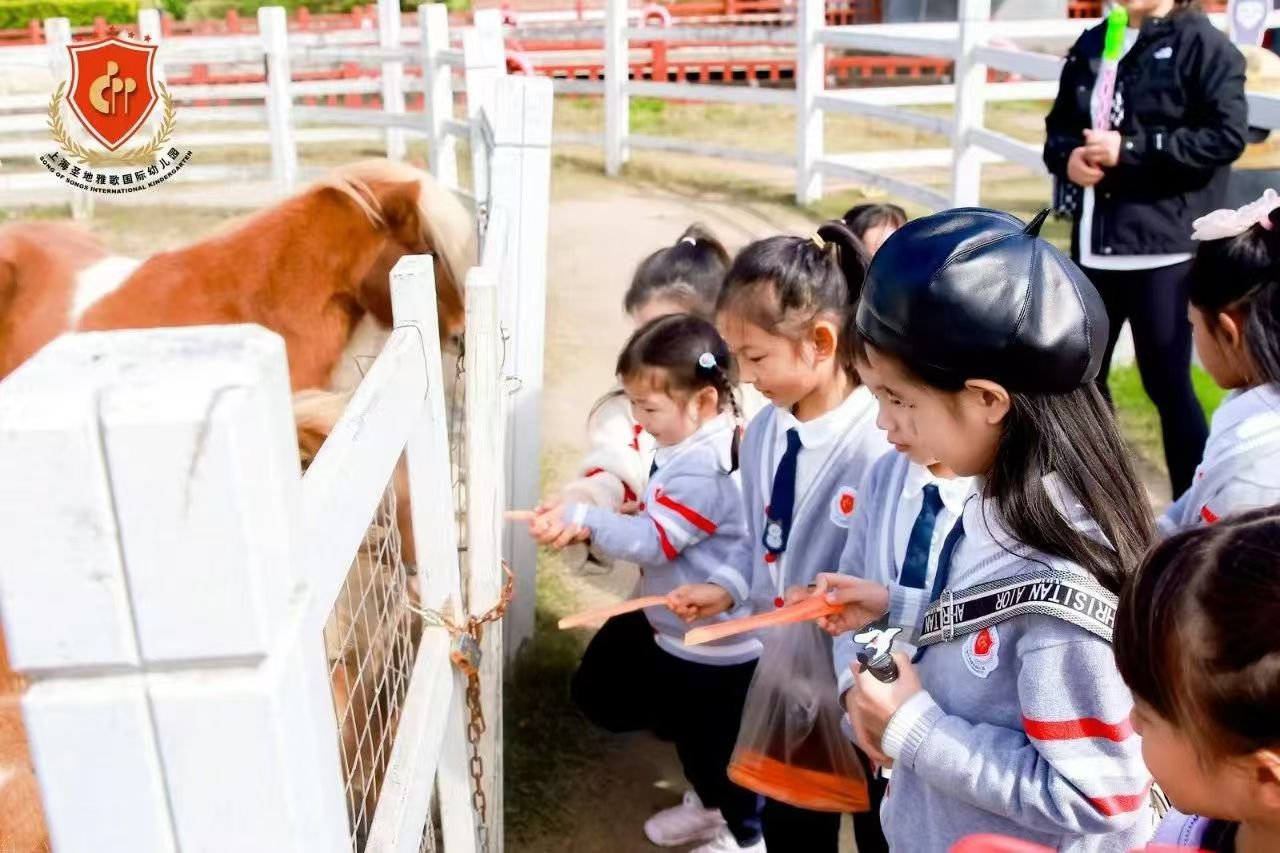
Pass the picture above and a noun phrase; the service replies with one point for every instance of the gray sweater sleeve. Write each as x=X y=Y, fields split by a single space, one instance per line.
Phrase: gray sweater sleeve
x=676 y=516
x=1075 y=765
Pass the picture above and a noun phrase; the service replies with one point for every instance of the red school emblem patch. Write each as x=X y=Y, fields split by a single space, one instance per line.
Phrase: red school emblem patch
x=843 y=505
x=982 y=652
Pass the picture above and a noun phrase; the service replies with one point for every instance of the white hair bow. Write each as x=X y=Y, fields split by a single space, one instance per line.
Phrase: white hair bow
x=1232 y=223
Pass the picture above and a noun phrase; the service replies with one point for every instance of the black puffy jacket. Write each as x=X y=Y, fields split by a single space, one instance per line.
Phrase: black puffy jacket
x=1184 y=123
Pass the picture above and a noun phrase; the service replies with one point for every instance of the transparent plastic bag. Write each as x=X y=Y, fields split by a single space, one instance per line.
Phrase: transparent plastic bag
x=790 y=746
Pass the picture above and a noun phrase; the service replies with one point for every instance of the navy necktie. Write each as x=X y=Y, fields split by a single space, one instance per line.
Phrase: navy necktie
x=944 y=559
x=782 y=500
x=653 y=468
x=915 y=566
x=944 y=570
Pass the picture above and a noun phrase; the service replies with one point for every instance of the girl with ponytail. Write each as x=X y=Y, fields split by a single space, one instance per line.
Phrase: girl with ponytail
x=1235 y=320
x=783 y=311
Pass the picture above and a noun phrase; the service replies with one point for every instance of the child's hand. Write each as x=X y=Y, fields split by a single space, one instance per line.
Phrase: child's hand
x=549 y=526
x=876 y=702
x=796 y=594
x=859 y=730
x=864 y=601
x=695 y=601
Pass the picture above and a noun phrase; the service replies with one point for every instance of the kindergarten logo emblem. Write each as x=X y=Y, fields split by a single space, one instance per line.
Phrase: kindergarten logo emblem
x=114 y=99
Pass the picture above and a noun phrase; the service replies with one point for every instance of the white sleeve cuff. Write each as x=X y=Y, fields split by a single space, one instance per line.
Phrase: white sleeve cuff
x=908 y=726
x=577 y=514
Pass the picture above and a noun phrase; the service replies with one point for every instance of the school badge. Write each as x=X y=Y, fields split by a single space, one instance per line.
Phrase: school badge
x=113 y=96
x=843 y=505
x=982 y=652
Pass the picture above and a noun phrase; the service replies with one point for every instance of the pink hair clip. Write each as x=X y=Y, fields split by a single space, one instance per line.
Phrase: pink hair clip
x=1225 y=223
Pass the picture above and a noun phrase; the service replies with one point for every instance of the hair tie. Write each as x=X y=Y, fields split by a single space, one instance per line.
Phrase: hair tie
x=1232 y=223
x=692 y=241
x=819 y=242
x=707 y=361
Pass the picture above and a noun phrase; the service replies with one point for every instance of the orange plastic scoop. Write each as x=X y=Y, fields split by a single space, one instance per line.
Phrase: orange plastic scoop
x=801 y=787
x=813 y=607
x=603 y=614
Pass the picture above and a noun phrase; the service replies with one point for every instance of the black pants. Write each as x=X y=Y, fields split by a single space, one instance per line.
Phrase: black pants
x=1155 y=304
x=627 y=683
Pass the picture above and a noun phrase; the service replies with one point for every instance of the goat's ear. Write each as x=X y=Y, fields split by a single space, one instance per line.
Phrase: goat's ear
x=401 y=208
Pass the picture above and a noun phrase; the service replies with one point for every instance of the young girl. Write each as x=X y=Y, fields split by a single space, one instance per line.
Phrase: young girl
x=782 y=311
x=874 y=223
x=636 y=673
x=1013 y=720
x=1235 y=318
x=1195 y=640
x=909 y=501
x=683 y=278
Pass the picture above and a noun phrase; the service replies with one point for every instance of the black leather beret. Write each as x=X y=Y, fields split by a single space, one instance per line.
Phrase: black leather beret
x=972 y=293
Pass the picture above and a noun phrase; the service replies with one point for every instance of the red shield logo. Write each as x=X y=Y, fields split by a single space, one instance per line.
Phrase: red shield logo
x=113 y=88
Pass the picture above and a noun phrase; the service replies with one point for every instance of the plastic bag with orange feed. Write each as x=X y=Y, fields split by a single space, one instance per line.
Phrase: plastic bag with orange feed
x=790 y=746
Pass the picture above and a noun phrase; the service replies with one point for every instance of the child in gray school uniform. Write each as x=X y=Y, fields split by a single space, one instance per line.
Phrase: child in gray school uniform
x=637 y=673
x=1235 y=317
x=1012 y=719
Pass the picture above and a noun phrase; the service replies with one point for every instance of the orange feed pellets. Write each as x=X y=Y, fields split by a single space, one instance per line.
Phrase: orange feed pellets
x=816 y=790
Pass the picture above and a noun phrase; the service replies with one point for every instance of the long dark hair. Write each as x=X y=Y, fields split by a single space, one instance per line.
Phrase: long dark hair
x=689 y=272
x=786 y=284
x=861 y=218
x=1243 y=273
x=1074 y=436
x=1195 y=633
x=676 y=346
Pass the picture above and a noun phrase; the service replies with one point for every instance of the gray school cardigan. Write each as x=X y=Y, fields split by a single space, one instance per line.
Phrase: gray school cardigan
x=820 y=524
x=691 y=529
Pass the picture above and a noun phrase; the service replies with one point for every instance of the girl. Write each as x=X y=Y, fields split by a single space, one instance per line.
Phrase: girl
x=1014 y=719
x=683 y=278
x=873 y=223
x=782 y=312
x=636 y=673
x=909 y=501
x=1196 y=642
x=1139 y=167
x=1235 y=317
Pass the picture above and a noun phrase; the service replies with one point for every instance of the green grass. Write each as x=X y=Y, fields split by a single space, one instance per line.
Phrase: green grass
x=1138 y=418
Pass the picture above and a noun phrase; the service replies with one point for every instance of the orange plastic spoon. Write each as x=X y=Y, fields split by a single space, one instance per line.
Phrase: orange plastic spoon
x=814 y=607
x=601 y=614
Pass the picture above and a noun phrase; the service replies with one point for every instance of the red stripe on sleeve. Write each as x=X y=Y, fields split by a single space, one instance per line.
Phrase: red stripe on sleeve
x=698 y=521
x=1119 y=804
x=1084 y=727
x=593 y=472
x=671 y=553
x=1209 y=516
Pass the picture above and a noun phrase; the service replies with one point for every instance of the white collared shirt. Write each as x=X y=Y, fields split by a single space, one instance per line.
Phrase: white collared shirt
x=953 y=492
x=818 y=437
x=721 y=426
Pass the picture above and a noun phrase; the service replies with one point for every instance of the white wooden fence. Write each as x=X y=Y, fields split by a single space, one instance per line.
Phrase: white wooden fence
x=170 y=571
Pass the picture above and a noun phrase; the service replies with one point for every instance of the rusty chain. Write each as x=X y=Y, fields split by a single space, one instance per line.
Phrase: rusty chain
x=466 y=656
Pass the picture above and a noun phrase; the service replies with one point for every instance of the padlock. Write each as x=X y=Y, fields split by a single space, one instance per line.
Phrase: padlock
x=465 y=654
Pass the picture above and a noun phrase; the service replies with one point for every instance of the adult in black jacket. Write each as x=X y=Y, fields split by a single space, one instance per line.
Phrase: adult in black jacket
x=1139 y=173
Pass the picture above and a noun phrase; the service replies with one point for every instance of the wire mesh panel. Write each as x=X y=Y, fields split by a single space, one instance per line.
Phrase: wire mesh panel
x=371 y=639
x=431 y=841
x=457 y=403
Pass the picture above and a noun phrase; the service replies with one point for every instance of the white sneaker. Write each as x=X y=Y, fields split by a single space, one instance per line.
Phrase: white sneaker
x=683 y=824
x=724 y=842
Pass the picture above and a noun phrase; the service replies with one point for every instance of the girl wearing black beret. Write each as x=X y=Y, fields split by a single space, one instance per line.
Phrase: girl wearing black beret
x=985 y=342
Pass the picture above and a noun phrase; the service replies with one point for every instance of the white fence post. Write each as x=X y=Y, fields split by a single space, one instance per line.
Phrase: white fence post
x=392 y=75
x=153 y=477
x=149 y=25
x=434 y=709
x=273 y=25
x=521 y=185
x=970 y=109
x=437 y=88
x=486 y=62
x=811 y=71
x=486 y=393
x=57 y=35
x=617 y=103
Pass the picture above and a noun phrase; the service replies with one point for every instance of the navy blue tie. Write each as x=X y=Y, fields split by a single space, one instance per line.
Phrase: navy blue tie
x=944 y=559
x=915 y=566
x=782 y=500
x=653 y=468
x=944 y=570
